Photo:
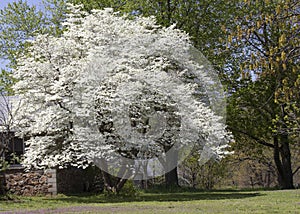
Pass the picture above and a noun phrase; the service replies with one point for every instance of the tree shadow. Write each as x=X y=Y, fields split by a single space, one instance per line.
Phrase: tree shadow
x=157 y=197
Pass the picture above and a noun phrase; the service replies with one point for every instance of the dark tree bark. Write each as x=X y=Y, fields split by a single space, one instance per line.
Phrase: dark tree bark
x=2 y=184
x=282 y=158
x=171 y=176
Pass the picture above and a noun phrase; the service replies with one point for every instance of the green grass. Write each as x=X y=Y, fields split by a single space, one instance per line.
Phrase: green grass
x=279 y=201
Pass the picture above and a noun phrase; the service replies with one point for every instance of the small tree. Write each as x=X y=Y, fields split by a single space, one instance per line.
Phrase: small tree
x=117 y=92
x=206 y=176
x=8 y=105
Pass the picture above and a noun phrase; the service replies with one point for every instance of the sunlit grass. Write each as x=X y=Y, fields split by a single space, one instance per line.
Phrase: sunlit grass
x=280 y=201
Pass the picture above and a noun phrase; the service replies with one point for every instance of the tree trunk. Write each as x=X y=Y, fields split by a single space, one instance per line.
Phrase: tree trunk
x=172 y=178
x=171 y=175
x=282 y=158
x=2 y=184
x=113 y=184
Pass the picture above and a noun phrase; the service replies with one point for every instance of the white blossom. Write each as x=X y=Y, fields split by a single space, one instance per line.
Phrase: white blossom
x=122 y=89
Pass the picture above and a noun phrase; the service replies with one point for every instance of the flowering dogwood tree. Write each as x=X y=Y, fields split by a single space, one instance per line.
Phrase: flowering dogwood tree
x=125 y=94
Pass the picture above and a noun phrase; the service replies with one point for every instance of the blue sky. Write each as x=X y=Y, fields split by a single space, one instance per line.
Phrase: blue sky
x=3 y=3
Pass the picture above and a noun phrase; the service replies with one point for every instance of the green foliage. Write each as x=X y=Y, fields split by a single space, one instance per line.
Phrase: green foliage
x=206 y=176
x=6 y=80
x=54 y=13
x=88 y=5
x=20 y=23
x=269 y=30
x=3 y=164
x=128 y=190
x=265 y=109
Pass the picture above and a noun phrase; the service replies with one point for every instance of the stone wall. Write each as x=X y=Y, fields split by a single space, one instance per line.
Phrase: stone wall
x=50 y=182
x=32 y=183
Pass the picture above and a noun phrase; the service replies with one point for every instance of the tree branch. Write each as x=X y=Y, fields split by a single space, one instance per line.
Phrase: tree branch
x=298 y=168
x=256 y=47
x=260 y=141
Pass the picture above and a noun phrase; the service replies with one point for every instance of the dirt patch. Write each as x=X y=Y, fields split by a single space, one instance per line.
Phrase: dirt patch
x=83 y=209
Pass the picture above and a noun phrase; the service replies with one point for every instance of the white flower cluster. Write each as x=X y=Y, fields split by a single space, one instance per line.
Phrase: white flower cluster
x=119 y=89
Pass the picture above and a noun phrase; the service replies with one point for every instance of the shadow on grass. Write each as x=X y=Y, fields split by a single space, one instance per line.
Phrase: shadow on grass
x=158 y=197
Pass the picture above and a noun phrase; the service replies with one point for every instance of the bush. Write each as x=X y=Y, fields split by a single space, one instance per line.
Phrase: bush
x=128 y=190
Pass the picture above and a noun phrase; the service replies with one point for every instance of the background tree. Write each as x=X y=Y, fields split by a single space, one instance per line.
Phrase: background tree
x=266 y=40
x=20 y=23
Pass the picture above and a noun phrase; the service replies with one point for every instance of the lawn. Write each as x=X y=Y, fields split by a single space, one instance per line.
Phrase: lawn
x=279 y=201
